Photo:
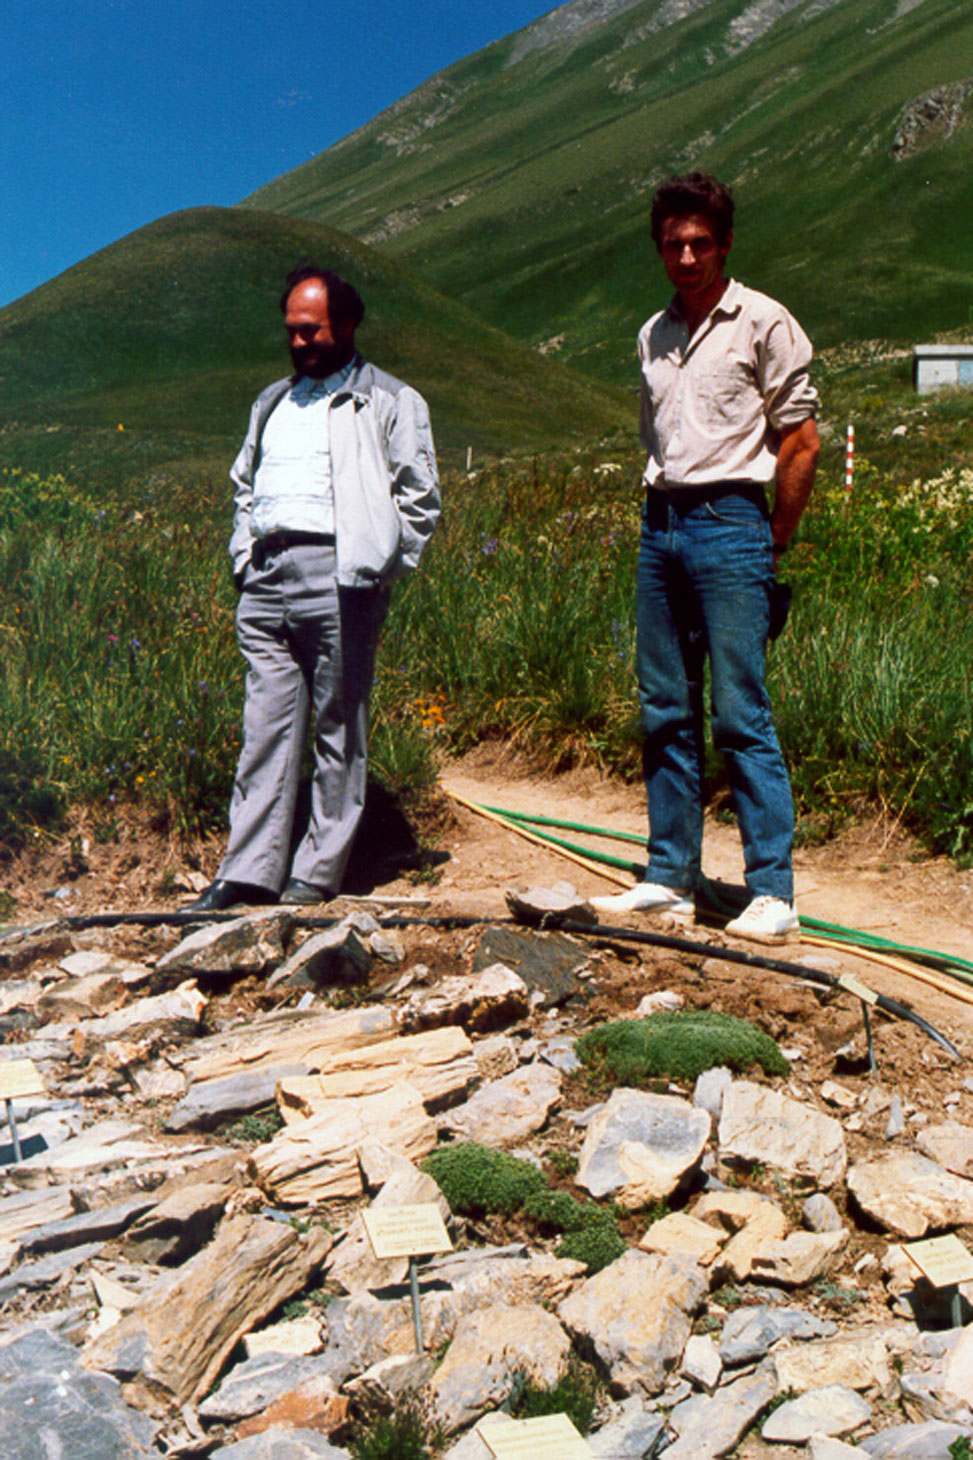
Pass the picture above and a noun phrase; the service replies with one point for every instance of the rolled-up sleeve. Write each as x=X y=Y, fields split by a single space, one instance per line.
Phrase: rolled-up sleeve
x=783 y=358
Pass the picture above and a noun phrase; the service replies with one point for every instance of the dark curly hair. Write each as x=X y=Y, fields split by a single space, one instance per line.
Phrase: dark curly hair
x=344 y=301
x=693 y=192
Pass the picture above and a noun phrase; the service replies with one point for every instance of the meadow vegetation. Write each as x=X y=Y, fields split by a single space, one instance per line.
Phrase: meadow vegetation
x=120 y=684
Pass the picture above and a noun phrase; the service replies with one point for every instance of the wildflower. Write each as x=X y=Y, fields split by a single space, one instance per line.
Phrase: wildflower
x=489 y=547
x=203 y=687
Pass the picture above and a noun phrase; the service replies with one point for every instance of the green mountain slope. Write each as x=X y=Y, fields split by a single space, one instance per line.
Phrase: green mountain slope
x=177 y=326
x=518 y=180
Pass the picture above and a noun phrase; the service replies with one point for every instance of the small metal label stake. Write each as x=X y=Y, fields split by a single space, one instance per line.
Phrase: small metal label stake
x=552 y=1436
x=18 y=1079
x=861 y=991
x=945 y=1263
x=408 y=1231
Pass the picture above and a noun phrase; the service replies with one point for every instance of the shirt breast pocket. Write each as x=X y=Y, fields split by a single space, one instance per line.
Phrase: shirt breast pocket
x=726 y=389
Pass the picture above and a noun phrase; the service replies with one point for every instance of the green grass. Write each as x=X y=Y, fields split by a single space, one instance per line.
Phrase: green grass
x=120 y=683
x=520 y=184
x=678 y=1045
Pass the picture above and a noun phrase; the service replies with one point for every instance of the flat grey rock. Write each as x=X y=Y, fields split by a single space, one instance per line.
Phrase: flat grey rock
x=250 y=944
x=707 y=1426
x=833 y=1410
x=641 y=1146
x=929 y=1441
x=633 y=1434
x=255 y=1383
x=211 y=1102
x=52 y=1409
x=84 y=1227
x=279 y=1444
x=47 y=1270
x=335 y=956
x=748 y=1333
x=549 y=907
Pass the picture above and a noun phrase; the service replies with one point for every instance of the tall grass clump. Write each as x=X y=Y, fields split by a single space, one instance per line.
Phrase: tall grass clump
x=873 y=682
x=118 y=679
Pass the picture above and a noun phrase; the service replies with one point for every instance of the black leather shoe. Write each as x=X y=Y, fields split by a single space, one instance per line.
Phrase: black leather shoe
x=221 y=895
x=304 y=894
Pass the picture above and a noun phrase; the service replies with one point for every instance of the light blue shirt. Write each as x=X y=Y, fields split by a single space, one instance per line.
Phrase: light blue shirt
x=292 y=489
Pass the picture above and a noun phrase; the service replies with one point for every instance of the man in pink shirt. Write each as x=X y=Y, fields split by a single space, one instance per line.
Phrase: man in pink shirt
x=727 y=411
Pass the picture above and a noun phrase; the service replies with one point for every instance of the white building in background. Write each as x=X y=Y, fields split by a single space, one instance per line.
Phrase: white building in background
x=936 y=366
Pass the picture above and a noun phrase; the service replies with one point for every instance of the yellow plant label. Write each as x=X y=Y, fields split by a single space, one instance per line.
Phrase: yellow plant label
x=406 y=1231
x=851 y=985
x=943 y=1260
x=552 y=1436
x=19 y=1078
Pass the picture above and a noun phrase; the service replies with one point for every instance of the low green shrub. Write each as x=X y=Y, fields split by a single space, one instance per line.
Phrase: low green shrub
x=575 y=1395
x=477 y=1181
x=401 y=1436
x=597 y=1242
x=677 y=1045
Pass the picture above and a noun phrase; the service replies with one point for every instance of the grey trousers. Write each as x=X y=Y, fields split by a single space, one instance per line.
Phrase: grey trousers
x=310 y=652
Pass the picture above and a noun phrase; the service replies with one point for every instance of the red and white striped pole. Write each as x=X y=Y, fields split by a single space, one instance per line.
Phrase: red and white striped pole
x=849 y=458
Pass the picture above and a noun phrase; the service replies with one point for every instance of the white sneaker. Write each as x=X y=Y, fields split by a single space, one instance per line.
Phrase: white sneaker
x=646 y=897
x=766 y=920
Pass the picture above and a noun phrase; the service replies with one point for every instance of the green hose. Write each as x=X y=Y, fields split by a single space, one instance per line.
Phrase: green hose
x=949 y=963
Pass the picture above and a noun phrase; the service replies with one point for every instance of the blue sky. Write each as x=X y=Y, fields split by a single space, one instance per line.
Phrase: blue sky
x=115 y=112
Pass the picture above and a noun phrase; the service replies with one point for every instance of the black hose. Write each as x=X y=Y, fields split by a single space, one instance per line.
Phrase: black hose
x=817 y=976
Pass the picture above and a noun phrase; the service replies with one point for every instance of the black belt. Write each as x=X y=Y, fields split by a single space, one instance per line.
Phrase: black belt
x=276 y=542
x=688 y=497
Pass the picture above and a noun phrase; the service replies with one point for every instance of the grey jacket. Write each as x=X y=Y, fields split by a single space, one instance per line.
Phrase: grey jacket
x=383 y=472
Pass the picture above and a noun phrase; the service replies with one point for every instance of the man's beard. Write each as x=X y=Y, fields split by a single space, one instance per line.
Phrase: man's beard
x=315 y=361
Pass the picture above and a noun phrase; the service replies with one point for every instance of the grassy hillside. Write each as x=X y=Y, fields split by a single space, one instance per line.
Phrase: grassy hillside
x=176 y=327
x=518 y=180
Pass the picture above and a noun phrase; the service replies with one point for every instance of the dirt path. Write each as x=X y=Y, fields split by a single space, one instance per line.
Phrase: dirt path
x=866 y=880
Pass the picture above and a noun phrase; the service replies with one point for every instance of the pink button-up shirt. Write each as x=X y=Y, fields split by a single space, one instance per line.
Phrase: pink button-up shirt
x=712 y=406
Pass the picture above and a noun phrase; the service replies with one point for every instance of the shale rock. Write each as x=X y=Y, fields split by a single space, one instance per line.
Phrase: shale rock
x=640 y=1146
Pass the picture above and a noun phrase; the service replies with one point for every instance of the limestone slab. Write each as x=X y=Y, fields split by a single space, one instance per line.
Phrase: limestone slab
x=951 y=1144
x=758 y=1124
x=245 y=945
x=507 y=1111
x=439 y=1063
x=749 y=1333
x=312 y=1160
x=833 y=1410
x=858 y=1358
x=640 y=1146
x=679 y=1233
x=753 y=1221
x=489 y=1349
x=181 y=1334
x=909 y=1193
x=638 y=1342
x=799 y=1258
x=292 y=1038
x=710 y=1425
x=49 y=1407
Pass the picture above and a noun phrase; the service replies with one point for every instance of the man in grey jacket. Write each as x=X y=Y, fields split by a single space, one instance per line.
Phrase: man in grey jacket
x=336 y=496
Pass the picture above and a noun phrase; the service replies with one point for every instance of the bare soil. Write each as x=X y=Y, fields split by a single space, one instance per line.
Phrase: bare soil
x=872 y=878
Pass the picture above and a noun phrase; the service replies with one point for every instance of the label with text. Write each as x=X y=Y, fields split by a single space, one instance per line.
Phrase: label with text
x=943 y=1260
x=551 y=1436
x=406 y=1231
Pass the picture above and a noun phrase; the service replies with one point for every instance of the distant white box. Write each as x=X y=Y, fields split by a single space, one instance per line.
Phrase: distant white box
x=936 y=366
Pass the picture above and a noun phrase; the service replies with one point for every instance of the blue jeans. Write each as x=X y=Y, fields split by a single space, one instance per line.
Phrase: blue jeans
x=704 y=575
